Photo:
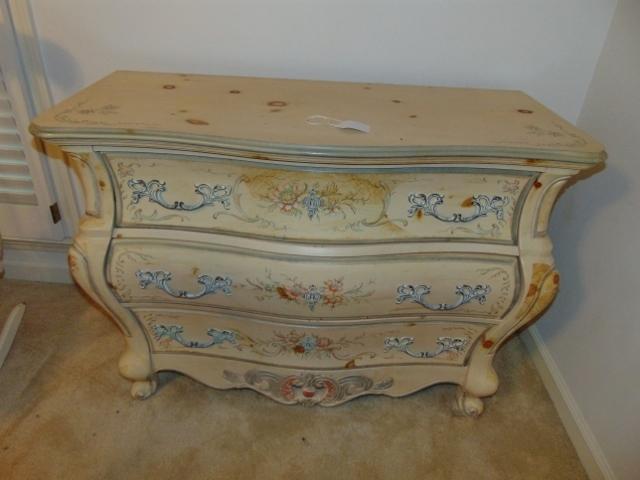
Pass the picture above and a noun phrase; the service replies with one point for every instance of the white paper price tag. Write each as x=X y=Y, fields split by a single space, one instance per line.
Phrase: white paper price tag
x=337 y=123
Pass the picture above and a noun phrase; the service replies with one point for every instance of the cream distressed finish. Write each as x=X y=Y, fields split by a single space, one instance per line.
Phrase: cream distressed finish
x=238 y=235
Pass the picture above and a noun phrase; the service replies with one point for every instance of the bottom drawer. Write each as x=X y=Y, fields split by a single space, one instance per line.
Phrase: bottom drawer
x=270 y=343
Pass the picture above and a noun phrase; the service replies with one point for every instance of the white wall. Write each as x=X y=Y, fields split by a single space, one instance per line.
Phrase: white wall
x=546 y=47
x=593 y=328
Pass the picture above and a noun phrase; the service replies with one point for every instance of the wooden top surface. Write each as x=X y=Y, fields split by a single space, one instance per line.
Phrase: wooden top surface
x=297 y=116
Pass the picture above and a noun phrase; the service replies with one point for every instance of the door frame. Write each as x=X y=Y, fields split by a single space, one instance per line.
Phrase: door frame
x=65 y=187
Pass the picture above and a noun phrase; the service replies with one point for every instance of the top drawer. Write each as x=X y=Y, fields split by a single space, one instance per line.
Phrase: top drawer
x=353 y=204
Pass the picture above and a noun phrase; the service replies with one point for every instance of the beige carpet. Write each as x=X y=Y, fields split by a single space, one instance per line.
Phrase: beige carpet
x=65 y=413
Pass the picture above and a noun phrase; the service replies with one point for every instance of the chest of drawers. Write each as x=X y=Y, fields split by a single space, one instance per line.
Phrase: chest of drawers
x=315 y=241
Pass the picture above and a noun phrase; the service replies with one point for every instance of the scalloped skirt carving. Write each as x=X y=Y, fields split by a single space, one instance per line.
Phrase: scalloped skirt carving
x=308 y=388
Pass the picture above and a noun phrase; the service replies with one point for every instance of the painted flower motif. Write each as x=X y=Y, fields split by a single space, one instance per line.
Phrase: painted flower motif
x=331 y=293
x=311 y=346
x=335 y=285
x=510 y=186
x=293 y=336
x=108 y=109
x=311 y=200
x=308 y=343
x=125 y=169
x=332 y=300
x=286 y=196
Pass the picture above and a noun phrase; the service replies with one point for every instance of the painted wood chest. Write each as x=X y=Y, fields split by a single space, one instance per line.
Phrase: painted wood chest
x=315 y=241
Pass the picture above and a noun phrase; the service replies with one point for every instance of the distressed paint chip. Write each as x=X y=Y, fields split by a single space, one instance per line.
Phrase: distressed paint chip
x=196 y=121
x=71 y=260
x=467 y=202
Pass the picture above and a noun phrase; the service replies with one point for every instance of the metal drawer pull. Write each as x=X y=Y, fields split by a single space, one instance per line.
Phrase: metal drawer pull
x=445 y=344
x=466 y=293
x=174 y=332
x=155 y=188
x=483 y=206
x=160 y=279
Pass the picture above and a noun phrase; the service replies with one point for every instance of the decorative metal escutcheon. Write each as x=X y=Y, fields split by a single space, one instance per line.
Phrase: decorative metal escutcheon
x=313 y=203
x=483 y=206
x=445 y=344
x=312 y=296
x=466 y=294
x=160 y=279
x=174 y=332
x=154 y=189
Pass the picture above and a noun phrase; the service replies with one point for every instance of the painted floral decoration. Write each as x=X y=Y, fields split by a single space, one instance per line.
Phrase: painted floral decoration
x=300 y=198
x=309 y=345
x=331 y=293
x=287 y=198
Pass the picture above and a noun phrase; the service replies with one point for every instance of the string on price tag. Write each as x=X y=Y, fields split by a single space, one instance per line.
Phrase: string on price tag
x=337 y=123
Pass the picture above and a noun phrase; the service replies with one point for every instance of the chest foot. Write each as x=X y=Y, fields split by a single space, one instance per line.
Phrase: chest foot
x=143 y=389
x=467 y=404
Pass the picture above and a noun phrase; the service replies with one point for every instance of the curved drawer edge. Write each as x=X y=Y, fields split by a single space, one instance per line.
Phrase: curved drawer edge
x=307 y=287
x=311 y=347
x=351 y=204
x=302 y=249
x=259 y=316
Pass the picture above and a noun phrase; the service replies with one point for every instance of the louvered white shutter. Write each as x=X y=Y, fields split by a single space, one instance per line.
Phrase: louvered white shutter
x=26 y=192
x=16 y=184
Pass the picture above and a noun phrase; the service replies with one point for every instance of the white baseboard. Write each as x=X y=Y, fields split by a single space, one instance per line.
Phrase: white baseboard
x=36 y=261
x=583 y=439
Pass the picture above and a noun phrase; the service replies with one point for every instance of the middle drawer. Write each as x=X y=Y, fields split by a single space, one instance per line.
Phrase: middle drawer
x=305 y=287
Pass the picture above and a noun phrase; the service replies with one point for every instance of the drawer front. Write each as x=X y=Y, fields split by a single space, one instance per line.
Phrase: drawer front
x=216 y=194
x=175 y=331
x=313 y=287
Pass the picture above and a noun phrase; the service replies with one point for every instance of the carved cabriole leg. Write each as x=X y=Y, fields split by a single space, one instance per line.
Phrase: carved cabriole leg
x=86 y=256
x=481 y=379
x=539 y=286
x=135 y=362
